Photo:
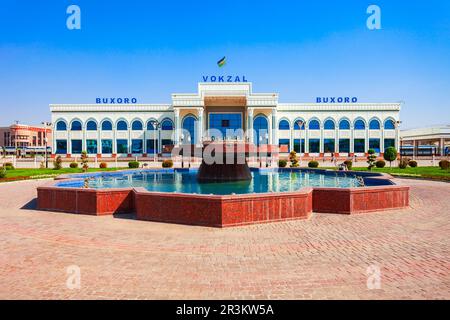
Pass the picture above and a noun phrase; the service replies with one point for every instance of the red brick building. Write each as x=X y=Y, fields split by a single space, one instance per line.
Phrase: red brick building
x=26 y=139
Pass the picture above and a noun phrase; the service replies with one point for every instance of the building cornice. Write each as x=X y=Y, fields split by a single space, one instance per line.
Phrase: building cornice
x=110 y=107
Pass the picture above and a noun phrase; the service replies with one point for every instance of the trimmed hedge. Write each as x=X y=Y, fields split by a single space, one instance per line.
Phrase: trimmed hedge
x=380 y=164
x=444 y=164
x=313 y=164
x=412 y=164
x=133 y=164
x=282 y=163
x=103 y=165
x=167 y=164
x=74 y=165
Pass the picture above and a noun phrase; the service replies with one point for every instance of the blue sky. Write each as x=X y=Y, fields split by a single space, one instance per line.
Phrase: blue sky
x=150 y=49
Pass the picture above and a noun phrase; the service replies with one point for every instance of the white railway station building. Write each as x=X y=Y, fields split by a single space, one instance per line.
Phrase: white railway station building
x=122 y=127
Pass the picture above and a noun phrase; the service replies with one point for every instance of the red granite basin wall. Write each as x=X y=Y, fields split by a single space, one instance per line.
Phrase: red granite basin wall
x=222 y=211
x=85 y=201
x=359 y=200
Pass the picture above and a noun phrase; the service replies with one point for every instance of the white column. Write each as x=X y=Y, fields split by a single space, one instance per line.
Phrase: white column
x=274 y=127
x=306 y=138
x=352 y=138
x=322 y=139
x=199 y=126
x=250 y=124
x=366 y=141
x=382 y=140
x=69 y=142
x=177 y=126
x=114 y=149
x=336 y=139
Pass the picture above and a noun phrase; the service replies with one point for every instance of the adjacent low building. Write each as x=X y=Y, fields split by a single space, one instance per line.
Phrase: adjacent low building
x=426 y=141
x=25 y=139
x=120 y=128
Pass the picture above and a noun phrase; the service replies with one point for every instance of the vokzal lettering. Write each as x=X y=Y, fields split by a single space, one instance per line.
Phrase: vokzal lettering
x=224 y=79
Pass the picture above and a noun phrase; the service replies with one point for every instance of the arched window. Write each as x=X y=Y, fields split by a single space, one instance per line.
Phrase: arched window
x=76 y=126
x=389 y=124
x=91 y=126
x=314 y=125
x=344 y=125
x=106 y=125
x=284 y=125
x=150 y=126
x=299 y=125
x=329 y=125
x=167 y=125
x=261 y=127
x=136 y=125
x=189 y=126
x=374 y=125
x=360 y=125
x=122 y=125
x=61 y=126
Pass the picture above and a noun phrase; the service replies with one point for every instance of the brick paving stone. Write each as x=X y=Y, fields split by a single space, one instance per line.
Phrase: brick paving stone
x=325 y=257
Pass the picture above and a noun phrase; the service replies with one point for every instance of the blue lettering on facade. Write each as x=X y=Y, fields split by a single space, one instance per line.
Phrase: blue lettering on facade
x=115 y=100
x=224 y=78
x=336 y=100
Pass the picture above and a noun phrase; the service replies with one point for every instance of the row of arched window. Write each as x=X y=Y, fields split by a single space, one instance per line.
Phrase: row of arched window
x=343 y=125
x=107 y=125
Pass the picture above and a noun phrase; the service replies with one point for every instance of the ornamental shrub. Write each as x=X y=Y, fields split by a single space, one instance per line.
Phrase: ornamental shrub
x=293 y=159
x=103 y=165
x=412 y=164
x=349 y=164
x=167 y=164
x=133 y=164
x=84 y=161
x=403 y=164
x=282 y=163
x=57 y=164
x=371 y=159
x=380 y=164
x=313 y=164
x=390 y=154
x=73 y=165
x=2 y=173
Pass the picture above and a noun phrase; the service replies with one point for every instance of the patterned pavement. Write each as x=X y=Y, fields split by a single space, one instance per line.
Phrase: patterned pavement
x=326 y=257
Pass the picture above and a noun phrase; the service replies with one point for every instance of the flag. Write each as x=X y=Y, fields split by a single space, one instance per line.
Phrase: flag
x=221 y=62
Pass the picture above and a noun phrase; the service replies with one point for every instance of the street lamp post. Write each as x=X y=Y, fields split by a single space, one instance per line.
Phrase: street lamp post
x=46 y=124
x=15 y=141
x=397 y=126
x=156 y=126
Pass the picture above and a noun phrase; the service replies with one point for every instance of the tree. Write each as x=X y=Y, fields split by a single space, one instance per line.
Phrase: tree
x=390 y=155
x=371 y=159
x=293 y=159
x=84 y=161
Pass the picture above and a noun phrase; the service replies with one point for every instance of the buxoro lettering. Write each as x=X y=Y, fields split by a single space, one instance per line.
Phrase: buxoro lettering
x=224 y=79
x=336 y=100
x=116 y=100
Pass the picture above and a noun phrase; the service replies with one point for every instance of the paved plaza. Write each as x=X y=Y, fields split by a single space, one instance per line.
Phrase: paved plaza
x=325 y=257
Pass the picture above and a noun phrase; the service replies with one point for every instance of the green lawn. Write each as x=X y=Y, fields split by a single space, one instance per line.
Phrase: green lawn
x=21 y=174
x=423 y=172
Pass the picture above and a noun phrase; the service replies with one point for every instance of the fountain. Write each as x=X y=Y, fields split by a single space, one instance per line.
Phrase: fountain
x=225 y=162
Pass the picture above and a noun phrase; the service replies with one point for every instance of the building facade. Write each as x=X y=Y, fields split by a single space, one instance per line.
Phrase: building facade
x=224 y=111
x=426 y=141
x=25 y=139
